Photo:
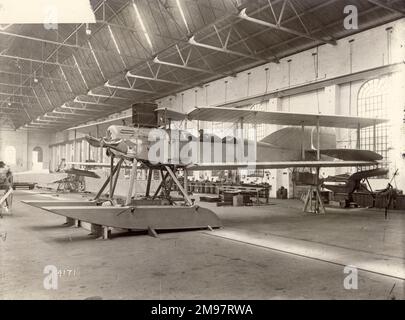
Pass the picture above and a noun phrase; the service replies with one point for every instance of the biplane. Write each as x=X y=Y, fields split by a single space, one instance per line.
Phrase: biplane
x=305 y=141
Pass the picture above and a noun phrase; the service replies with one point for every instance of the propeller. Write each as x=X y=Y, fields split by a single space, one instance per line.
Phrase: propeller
x=116 y=144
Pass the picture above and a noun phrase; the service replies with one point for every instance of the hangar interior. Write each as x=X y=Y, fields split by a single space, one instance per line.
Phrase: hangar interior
x=270 y=71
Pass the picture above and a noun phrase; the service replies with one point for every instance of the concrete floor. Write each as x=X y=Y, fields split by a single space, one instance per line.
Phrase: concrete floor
x=267 y=252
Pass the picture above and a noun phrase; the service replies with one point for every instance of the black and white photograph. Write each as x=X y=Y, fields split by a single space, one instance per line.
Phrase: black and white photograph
x=203 y=155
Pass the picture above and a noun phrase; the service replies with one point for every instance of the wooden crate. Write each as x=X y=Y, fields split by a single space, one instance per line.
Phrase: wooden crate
x=400 y=203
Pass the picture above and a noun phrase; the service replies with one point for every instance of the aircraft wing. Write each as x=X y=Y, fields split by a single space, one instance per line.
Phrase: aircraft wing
x=171 y=114
x=279 y=165
x=98 y=129
x=84 y=173
x=97 y=164
x=234 y=115
x=347 y=154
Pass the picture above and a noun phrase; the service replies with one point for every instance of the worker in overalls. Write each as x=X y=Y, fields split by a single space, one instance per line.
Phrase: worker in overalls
x=390 y=195
x=6 y=184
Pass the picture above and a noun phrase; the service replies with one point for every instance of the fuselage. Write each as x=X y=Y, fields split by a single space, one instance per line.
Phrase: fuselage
x=185 y=148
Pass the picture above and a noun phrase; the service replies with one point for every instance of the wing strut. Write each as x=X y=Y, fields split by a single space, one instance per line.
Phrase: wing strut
x=107 y=181
x=132 y=181
x=318 y=143
x=302 y=143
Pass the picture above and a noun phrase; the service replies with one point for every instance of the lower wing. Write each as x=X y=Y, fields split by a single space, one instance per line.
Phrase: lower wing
x=280 y=165
x=97 y=164
x=346 y=154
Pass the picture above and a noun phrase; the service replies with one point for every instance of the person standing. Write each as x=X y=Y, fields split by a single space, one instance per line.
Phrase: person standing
x=6 y=183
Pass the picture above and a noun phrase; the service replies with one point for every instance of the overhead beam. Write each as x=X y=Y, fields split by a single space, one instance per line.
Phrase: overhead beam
x=95 y=103
x=16 y=35
x=74 y=32
x=37 y=125
x=194 y=42
x=47 y=115
x=45 y=124
x=14 y=85
x=136 y=31
x=131 y=75
x=54 y=121
x=60 y=46
x=80 y=109
x=39 y=101
x=237 y=21
x=145 y=79
x=28 y=75
x=2 y=55
x=16 y=103
x=34 y=125
x=90 y=93
x=20 y=111
x=108 y=85
x=71 y=113
x=243 y=15
x=282 y=43
x=11 y=113
x=15 y=95
x=65 y=44
x=10 y=108
x=387 y=7
x=183 y=66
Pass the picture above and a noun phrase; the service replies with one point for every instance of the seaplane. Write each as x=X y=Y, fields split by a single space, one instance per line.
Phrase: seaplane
x=150 y=142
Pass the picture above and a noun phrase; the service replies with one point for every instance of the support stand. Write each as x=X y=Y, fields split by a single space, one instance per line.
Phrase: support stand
x=176 y=181
x=310 y=206
x=69 y=222
x=152 y=232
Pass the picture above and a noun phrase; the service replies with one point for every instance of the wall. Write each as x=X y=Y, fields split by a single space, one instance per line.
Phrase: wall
x=24 y=143
x=331 y=61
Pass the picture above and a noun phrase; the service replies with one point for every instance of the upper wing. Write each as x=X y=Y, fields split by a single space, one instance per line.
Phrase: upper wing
x=234 y=115
x=98 y=129
x=170 y=114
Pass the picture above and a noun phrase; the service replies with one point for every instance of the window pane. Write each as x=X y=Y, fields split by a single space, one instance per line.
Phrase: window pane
x=372 y=102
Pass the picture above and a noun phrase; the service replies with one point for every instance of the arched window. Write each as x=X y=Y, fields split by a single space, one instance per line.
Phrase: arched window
x=372 y=102
x=10 y=157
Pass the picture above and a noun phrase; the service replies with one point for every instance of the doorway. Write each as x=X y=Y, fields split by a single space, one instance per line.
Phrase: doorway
x=37 y=159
